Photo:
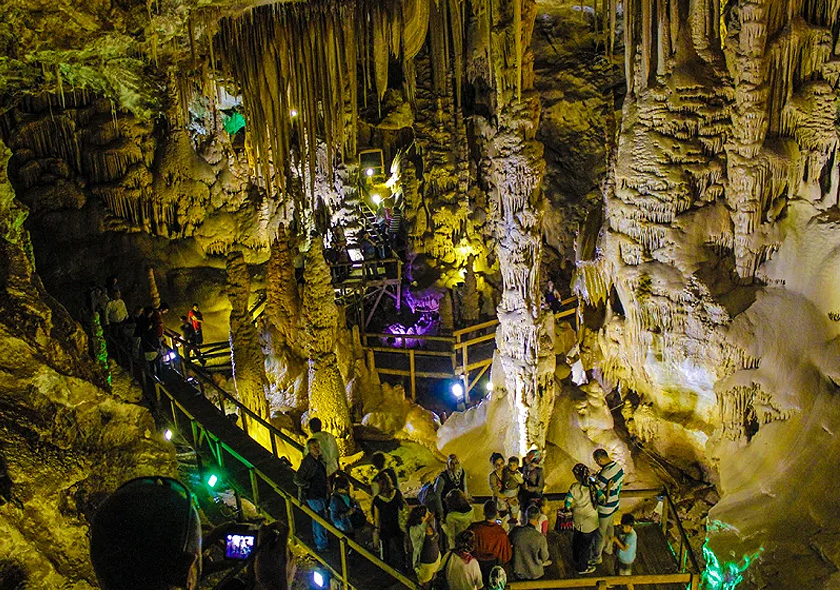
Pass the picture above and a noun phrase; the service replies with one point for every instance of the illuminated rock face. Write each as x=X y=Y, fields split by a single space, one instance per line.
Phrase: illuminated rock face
x=725 y=179
x=246 y=355
x=65 y=442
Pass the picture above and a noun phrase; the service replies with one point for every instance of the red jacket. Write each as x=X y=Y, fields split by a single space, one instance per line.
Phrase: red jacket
x=491 y=542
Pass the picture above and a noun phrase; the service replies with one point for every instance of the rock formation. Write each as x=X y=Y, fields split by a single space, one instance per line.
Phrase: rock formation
x=246 y=358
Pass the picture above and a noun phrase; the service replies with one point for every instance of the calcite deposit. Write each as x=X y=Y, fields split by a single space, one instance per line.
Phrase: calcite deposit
x=672 y=163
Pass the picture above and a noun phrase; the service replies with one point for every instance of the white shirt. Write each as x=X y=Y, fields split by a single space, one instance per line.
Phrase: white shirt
x=115 y=312
x=584 y=514
x=460 y=575
x=329 y=450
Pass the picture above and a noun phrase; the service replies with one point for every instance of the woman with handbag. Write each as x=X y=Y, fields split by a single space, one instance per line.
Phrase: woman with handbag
x=581 y=501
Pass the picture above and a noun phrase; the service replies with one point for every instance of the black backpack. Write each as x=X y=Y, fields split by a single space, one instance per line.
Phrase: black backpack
x=440 y=582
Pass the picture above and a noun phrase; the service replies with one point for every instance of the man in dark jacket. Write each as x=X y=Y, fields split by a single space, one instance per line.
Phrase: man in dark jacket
x=311 y=480
x=530 y=548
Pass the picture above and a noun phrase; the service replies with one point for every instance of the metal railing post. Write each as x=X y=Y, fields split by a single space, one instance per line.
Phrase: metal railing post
x=665 y=515
x=255 y=491
x=344 y=578
x=290 y=516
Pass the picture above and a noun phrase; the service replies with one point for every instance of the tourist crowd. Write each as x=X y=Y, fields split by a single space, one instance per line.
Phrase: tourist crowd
x=142 y=331
x=439 y=537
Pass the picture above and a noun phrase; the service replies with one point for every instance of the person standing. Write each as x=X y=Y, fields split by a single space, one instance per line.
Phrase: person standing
x=533 y=480
x=451 y=478
x=625 y=543
x=422 y=546
x=329 y=447
x=379 y=460
x=313 y=487
x=459 y=567
x=497 y=484
x=581 y=500
x=530 y=548
x=386 y=521
x=115 y=315
x=345 y=513
x=459 y=516
x=492 y=546
x=608 y=484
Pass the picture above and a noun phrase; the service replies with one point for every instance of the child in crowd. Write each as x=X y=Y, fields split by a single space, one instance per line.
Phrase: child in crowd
x=512 y=480
x=625 y=543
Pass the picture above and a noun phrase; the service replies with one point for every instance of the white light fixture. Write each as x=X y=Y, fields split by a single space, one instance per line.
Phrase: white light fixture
x=488 y=386
x=318 y=579
x=458 y=391
x=167 y=434
x=375 y=198
x=369 y=171
x=293 y=113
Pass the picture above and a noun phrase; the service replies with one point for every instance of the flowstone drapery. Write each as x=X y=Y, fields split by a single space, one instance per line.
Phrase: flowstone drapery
x=246 y=356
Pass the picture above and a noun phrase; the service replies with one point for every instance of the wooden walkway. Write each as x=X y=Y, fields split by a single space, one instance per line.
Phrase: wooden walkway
x=653 y=556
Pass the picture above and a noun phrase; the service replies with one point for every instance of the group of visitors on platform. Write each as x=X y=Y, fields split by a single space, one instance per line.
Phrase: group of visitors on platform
x=440 y=537
x=143 y=330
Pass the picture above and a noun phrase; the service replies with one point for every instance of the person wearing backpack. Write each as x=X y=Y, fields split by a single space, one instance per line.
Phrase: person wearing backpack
x=581 y=500
x=459 y=569
x=387 y=534
x=345 y=513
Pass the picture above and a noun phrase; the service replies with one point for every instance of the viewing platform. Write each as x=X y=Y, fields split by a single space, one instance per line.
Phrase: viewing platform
x=189 y=402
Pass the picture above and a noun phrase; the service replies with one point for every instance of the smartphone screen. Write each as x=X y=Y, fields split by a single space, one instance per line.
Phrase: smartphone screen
x=239 y=546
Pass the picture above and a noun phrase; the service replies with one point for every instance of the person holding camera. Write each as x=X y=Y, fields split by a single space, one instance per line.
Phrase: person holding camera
x=608 y=484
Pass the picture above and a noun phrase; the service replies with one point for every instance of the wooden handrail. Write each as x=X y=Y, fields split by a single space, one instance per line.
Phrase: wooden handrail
x=604 y=581
x=447 y=339
x=489 y=323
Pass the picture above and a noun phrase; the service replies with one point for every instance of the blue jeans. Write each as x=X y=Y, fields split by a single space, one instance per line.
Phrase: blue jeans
x=319 y=532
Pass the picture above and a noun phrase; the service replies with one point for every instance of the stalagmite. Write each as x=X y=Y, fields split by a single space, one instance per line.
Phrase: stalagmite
x=154 y=295
x=318 y=324
x=282 y=299
x=246 y=356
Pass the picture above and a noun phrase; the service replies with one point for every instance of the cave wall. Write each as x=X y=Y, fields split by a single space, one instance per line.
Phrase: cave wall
x=68 y=437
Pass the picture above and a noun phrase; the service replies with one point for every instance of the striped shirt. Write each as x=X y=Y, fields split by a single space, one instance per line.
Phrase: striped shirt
x=608 y=501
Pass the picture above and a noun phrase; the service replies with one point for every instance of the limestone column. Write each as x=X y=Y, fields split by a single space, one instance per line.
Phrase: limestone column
x=513 y=166
x=246 y=355
x=319 y=324
x=282 y=299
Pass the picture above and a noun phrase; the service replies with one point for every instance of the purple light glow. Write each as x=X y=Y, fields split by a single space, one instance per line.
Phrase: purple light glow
x=427 y=325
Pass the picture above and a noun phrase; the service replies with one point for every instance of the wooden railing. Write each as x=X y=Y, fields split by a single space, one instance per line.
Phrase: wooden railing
x=160 y=396
x=455 y=347
x=204 y=383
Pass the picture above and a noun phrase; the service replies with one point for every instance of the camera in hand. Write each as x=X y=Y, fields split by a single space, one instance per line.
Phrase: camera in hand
x=239 y=545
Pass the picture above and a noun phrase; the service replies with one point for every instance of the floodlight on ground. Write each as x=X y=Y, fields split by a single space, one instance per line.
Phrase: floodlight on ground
x=168 y=434
x=488 y=386
x=293 y=113
x=375 y=198
x=320 y=579
x=212 y=480
x=369 y=171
